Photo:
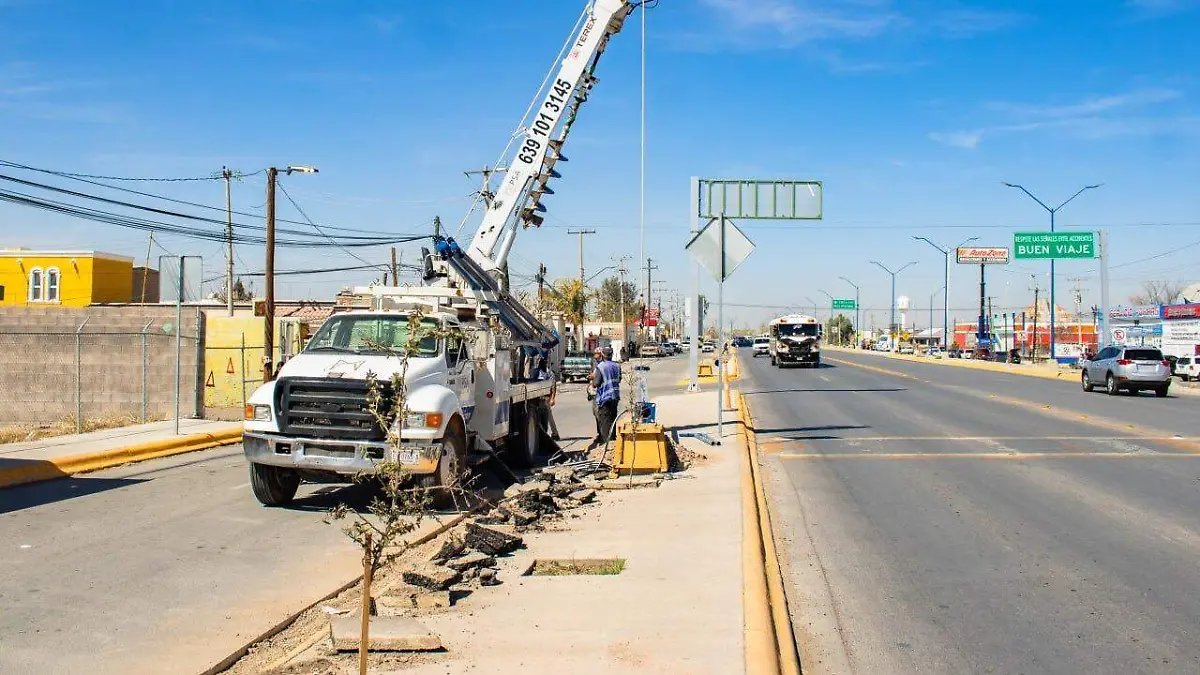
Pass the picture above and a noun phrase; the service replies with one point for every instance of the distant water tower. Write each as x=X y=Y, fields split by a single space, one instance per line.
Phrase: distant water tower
x=902 y=308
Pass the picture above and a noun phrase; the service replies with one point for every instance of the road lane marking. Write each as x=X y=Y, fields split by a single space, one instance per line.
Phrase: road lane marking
x=988 y=455
x=826 y=379
x=780 y=439
x=1045 y=409
x=240 y=487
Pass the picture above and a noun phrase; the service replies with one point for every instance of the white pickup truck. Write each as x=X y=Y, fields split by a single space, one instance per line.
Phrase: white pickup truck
x=472 y=391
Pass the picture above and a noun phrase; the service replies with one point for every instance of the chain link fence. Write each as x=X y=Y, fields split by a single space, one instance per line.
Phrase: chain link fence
x=55 y=374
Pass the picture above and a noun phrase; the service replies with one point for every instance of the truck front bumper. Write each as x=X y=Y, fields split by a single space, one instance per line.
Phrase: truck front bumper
x=337 y=456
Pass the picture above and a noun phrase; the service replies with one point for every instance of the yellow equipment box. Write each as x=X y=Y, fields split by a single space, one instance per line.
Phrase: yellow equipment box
x=705 y=368
x=643 y=452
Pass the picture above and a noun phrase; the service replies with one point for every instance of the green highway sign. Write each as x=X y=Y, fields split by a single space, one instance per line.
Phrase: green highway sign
x=843 y=304
x=1054 y=245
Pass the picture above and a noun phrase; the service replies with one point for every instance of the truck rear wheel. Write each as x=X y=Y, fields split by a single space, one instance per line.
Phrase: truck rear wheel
x=527 y=445
x=273 y=485
x=442 y=483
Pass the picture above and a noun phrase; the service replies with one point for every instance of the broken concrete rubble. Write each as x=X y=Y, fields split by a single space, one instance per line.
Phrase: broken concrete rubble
x=487 y=577
x=491 y=540
x=472 y=559
x=452 y=546
x=583 y=496
x=433 y=600
x=432 y=577
x=386 y=634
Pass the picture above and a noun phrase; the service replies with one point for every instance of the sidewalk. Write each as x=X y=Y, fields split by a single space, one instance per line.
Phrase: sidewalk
x=62 y=456
x=677 y=606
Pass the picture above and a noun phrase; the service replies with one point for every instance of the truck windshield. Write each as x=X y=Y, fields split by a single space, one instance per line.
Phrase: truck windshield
x=789 y=329
x=358 y=334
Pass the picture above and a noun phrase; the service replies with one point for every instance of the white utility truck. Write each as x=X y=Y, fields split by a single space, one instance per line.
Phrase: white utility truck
x=477 y=383
x=795 y=338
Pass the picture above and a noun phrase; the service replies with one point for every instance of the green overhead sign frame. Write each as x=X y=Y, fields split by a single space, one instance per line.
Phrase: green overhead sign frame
x=1054 y=245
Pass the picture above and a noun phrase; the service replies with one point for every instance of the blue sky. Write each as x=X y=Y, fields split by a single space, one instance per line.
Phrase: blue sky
x=911 y=112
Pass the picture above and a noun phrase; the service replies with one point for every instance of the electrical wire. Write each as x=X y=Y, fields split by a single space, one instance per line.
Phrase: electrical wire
x=184 y=202
x=316 y=227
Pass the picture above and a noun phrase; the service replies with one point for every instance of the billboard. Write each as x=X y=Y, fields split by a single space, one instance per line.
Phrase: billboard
x=1134 y=312
x=981 y=255
x=1191 y=311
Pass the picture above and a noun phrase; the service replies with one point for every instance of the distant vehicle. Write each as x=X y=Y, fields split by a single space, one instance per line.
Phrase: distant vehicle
x=650 y=349
x=955 y=352
x=1128 y=368
x=742 y=341
x=906 y=348
x=708 y=346
x=762 y=346
x=576 y=366
x=1187 y=368
x=795 y=338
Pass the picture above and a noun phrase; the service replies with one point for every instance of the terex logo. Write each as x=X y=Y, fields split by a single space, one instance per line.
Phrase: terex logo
x=587 y=30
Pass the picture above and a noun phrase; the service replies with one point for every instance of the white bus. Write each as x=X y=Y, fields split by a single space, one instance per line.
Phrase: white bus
x=796 y=338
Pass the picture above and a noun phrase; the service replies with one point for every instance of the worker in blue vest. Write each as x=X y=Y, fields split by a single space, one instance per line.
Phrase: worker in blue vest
x=606 y=383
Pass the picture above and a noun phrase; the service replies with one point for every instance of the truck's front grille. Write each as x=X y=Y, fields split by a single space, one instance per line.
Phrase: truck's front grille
x=329 y=408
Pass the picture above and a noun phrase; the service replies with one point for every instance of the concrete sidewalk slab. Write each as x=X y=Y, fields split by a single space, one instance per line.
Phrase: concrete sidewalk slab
x=63 y=456
x=677 y=607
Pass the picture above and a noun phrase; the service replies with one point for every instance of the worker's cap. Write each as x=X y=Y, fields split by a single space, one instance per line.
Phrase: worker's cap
x=608 y=352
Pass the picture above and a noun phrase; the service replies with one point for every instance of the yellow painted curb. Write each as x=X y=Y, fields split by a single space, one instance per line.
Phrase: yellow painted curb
x=36 y=470
x=770 y=642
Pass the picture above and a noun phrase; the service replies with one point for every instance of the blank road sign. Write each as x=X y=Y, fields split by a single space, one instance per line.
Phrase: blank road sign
x=706 y=248
x=760 y=199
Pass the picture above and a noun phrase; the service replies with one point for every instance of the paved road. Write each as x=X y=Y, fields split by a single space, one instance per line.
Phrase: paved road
x=943 y=520
x=169 y=565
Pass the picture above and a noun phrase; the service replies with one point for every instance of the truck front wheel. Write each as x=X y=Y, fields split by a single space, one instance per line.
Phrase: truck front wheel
x=442 y=483
x=273 y=485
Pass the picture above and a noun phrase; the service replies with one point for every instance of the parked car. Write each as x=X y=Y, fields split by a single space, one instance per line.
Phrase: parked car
x=1128 y=368
x=708 y=347
x=576 y=366
x=955 y=352
x=1187 y=368
x=650 y=349
x=762 y=346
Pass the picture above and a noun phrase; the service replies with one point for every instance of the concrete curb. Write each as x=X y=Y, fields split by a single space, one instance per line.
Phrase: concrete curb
x=229 y=661
x=37 y=470
x=770 y=641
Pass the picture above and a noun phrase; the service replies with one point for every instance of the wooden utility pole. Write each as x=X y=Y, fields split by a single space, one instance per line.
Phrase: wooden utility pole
x=437 y=226
x=228 y=175
x=146 y=272
x=269 y=280
x=395 y=269
x=650 y=267
x=579 y=298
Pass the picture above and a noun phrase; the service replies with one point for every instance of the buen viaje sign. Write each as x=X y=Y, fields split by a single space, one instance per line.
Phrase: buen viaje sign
x=1054 y=245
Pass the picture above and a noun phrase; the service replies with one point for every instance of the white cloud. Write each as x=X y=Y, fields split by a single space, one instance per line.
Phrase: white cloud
x=1092 y=118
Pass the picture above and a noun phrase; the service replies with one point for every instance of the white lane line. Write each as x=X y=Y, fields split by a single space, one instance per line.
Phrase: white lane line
x=823 y=378
x=240 y=487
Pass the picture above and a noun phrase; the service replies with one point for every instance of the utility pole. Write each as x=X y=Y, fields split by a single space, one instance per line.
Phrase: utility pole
x=269 y=271
x=1034 y=339
x=395 y=269
x=146 y=272
x=541 y=282
x=579 y=298
x=650 y=267
x=624 y=321
x=228 y=175
x=437 y=226
x=269 y=280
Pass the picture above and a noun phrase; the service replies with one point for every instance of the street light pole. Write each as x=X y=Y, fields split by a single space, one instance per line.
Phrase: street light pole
x=892 y=316
x=827 y=294
x=946 y=300
x=857 y=312
x=269 y=270
x=1052 y=211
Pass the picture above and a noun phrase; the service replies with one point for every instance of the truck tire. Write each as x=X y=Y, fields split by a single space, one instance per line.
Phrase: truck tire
x=526 y=447
x=273 y=485
x=441 y=485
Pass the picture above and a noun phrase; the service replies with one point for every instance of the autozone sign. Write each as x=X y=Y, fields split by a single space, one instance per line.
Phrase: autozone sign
x=981 y=255
x=1191 y=311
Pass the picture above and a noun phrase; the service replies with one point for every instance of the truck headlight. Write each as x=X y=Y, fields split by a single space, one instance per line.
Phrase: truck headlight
x=258 y=413
x=781 y=347
x=423 y=420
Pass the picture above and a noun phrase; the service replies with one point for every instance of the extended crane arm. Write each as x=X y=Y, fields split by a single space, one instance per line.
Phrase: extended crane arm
x=518 y=199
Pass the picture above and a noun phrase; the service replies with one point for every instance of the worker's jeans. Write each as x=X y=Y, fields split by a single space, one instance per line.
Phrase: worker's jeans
x=606 y=415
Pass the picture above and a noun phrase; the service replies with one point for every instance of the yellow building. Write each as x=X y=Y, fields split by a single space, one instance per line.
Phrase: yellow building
x=64 y=278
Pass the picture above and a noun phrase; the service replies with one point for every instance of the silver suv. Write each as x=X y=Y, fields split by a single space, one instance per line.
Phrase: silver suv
x=1129 y=368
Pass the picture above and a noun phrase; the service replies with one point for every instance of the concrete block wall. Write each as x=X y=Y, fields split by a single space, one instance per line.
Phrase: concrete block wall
x=39 y=364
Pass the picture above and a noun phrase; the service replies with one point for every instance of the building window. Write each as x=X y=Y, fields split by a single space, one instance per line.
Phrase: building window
x=52 y=280
x=35 y=284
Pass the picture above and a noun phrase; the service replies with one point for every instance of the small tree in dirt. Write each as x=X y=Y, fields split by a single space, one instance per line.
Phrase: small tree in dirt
x=398 y=508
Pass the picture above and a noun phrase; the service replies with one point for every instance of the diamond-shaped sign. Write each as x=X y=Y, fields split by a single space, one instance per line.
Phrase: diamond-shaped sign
x=706 y=247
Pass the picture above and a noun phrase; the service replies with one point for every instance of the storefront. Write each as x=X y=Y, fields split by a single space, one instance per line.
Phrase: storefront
x=1181 y=330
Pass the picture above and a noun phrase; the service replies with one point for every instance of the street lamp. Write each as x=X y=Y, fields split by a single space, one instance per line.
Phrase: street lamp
x=269 y=268
x=931 y=299
x=811 y=303
x=946 y=301
x=892 y=320
x=1052 y=211
x=830 y=296
x=857 y=311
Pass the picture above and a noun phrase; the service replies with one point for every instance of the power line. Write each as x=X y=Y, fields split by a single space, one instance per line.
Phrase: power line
x=178 y=201
x=299 y=210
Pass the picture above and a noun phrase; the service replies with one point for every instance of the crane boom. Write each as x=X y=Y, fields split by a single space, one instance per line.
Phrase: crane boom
x=518 y=200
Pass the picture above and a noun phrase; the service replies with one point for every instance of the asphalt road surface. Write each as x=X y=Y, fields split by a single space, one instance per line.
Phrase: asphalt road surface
x=935 y=519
